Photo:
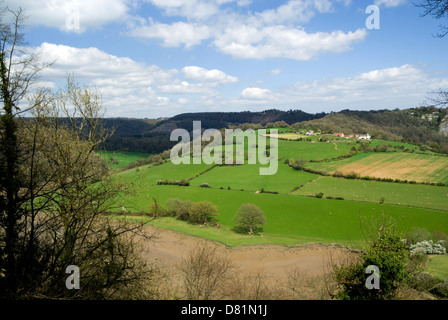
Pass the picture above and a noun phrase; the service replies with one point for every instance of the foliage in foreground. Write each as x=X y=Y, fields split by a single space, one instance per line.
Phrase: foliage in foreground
x=387 y=252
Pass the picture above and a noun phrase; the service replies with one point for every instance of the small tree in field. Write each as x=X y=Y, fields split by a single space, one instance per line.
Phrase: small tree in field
x=203 y=212
x=250 y=218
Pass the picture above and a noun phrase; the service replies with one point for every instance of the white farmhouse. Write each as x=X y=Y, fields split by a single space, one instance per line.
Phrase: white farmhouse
x=365 y=136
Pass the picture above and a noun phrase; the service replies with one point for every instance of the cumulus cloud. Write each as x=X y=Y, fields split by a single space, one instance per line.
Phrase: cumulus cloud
x=200 y=74
x=272 y=33
x=279 y=41
x=128 y=87
x=74 y=15
x=397 y=87
x=173 y=35
x=255 y=94
x=294 y=11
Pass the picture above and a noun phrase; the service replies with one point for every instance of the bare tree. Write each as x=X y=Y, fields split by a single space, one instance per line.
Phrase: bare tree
x=438 y=9
x=204 y=271
x=18 y=71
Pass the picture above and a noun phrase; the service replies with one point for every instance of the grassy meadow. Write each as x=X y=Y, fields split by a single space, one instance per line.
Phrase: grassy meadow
x=293 y=214
x=118 y=160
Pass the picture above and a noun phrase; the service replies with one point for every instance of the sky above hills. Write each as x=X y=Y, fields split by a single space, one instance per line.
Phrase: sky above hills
x=156 y=58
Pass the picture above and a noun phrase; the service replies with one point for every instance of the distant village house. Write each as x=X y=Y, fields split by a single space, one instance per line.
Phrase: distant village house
x=365 y=136
x=353 y=135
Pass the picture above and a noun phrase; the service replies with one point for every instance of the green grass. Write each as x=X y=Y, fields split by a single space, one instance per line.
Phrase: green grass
x=310 y=150
x=122 y=159
x=299 y=217
x=296 y=218
x=149 y=174
x=438 y=266
x=372 y=191
x=247 y=177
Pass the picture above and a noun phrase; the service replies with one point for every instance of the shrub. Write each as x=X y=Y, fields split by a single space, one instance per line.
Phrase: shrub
x=319 y=195
x=338 y=174
x=182 y=211
x=156 y=210
x=389 y=254
x=172 y=204
x=203 y=212
x=440 y=235
x=417 y=235
x=441 y=290
x=205 y=185
x=428 y=247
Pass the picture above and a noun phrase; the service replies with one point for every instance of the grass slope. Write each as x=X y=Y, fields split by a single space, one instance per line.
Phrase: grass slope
x=296 y=216
x=372 y=191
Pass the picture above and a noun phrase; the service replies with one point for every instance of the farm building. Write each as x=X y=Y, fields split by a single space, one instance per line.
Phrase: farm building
x=365 y=136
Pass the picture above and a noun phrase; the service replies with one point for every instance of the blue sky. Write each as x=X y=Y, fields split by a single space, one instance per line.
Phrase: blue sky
x=156 y=58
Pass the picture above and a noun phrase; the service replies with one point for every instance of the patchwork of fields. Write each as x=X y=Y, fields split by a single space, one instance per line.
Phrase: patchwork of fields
x=293 y=214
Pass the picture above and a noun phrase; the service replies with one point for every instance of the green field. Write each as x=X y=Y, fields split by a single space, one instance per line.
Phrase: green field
x=300 y=217
x=149 y=174
x=292 y=215
x=311 y=150
x=247 y=177
x=120 y=159
x=438 y=266
x=426 y=196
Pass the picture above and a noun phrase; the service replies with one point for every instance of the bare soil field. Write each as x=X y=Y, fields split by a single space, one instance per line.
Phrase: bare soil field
x=403 y=166
x=279 y=272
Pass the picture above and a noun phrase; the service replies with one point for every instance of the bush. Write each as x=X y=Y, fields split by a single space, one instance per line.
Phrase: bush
x=428 y=247
x=388 y=253
x=156 y=210
x=203 y=212
x=440 y=235
x=319 y=195
x=417 y=235
x=182 y=211
x=441 y=290
x=205 y=185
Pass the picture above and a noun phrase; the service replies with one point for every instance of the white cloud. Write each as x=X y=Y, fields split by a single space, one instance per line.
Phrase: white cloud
x=73 y=16
x=193 y=9
x=272 y=33
x=200 y=74
x=390 y=3
x=275 y=72
x=398 y=87
x=173 y=35
x=281 y=42
x=255 y=94
x=294 y=11
x=131 y=88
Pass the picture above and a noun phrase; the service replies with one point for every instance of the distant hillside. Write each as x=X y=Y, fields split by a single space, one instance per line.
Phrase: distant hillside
x=219 y=120
x=421 y=126
x=418 y=126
